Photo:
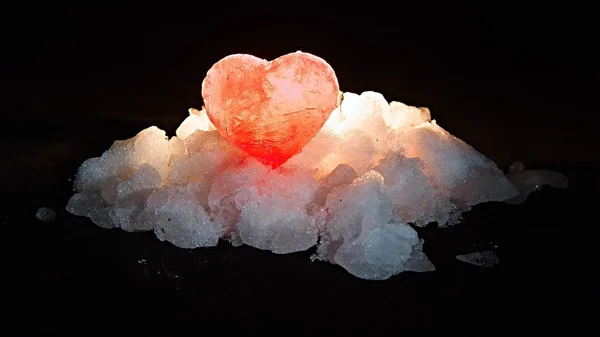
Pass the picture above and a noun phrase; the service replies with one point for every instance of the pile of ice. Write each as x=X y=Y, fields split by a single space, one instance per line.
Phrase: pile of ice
x=372 y=170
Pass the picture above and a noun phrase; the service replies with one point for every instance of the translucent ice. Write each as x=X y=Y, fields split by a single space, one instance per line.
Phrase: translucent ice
x=527 y=181
x=131 y=198
x=271 y=206
x=456 y=169
x=270 y=109
x=412 y=195
x=176 y=216
x=482 y=259
x=362 y=234
x=45 y=214
x=93 y=205
x=122 y=161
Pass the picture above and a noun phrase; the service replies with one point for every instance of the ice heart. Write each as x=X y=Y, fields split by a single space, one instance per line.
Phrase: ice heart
x=270 y=109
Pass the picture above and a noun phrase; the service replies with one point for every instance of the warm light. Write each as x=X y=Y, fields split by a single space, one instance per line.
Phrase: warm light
x=197 y=120
x=360 y=132
x=271 y=110
x=400 y=115
x=349 y=176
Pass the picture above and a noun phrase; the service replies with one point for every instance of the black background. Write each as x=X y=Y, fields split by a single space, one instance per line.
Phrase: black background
x=516 y=81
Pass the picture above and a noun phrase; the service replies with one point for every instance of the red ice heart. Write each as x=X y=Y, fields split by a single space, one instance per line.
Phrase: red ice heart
x=270 y=109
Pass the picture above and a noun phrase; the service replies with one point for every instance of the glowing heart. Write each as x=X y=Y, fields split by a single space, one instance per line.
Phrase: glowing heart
x=270 y=109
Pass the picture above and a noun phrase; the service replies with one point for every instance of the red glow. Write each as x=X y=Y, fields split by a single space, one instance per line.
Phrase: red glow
x=271 y=110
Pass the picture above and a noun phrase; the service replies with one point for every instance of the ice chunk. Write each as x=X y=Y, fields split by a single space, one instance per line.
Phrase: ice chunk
x=197 y=120
x=528 y=181
x=176 y=146
x=327 y=150
x=413 y=197
x=272 y=206
x=455 y=168
x=176 y=217
x=418 y=261
x=131 y=198
x=482 y=259
x=91 y=204
x=113 y=188
x=206 y=153
x=516 y=166
x=362 y=234
x=360 y=112
x=355 y=134
x=342 y=175
x=356 y=149
x=45 y=214
x=123 y=159
x=313 y=155
x=402 y=116
x=361 y=116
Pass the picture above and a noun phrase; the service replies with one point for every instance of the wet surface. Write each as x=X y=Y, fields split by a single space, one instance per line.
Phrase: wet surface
x=69 y=275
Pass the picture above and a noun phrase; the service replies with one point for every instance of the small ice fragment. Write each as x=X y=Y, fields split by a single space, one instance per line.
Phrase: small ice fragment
x=516 y=166
x=45 y=214
x=482 y=259
x=142 y=261
x=418 y=261
x=528 y=181
x=92 y=205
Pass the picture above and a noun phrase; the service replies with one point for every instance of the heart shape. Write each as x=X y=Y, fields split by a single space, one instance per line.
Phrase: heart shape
x=271 y=110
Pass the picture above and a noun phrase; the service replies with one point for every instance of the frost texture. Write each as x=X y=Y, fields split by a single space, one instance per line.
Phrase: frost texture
x=353 y=191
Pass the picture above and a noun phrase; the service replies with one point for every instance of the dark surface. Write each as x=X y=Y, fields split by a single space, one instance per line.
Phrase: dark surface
x=516 y=83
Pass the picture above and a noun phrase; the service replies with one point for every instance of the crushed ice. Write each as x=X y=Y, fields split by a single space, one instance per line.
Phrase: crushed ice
x=354 y=191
